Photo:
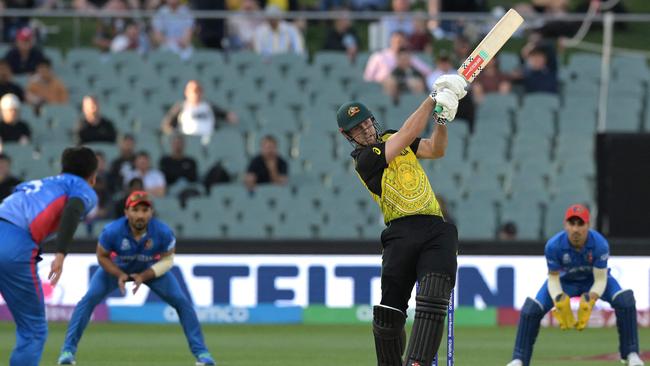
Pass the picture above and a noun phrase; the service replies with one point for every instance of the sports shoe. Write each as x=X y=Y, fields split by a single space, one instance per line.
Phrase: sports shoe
x=205 y=359
x=633 y=359
x=515 y=362
x=66 y=358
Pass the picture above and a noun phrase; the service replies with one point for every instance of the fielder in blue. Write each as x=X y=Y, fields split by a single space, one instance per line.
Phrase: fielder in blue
x=33 y=213
x=138 y=248
x=577 y=266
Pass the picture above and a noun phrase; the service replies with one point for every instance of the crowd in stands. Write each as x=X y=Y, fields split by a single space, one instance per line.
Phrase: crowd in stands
x=406 y=65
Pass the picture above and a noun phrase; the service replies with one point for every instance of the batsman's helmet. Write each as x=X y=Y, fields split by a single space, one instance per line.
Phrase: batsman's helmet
x=351 y=114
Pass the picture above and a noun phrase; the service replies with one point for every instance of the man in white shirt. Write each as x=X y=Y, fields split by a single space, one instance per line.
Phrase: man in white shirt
x=277 y=36
x=172 y=28
x=153 y=179
x=195 y=116
x=381 y=63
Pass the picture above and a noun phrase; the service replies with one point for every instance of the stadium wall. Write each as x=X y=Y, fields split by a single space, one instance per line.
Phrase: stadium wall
x=323 y=288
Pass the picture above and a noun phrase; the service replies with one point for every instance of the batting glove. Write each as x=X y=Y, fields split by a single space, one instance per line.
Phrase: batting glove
x=455 y=83
x=448 y=100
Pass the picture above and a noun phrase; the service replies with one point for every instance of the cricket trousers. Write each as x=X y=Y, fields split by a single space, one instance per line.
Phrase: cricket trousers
x=414 y=246
x=165 y=286
x=21 y=289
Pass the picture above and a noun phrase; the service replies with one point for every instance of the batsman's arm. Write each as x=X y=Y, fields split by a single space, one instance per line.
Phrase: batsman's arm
x=435 y=146
x=410 y=130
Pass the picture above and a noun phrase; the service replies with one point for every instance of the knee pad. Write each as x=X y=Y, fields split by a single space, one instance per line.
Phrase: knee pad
x=431 y=304
x=390 y=337
x=624 y=306
x=624 y=299
x=532 y=308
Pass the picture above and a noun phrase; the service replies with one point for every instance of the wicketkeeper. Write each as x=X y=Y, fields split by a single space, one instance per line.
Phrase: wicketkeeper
x=577 y=266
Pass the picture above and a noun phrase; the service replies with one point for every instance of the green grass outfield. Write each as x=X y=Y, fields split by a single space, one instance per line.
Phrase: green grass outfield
x=299 y=345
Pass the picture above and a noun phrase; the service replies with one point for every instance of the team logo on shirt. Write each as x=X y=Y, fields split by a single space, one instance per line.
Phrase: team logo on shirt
x=148 y=244
x=376 y=150
x=590 y=257
x=353 y=110
x=566 y=258
x=125 y=244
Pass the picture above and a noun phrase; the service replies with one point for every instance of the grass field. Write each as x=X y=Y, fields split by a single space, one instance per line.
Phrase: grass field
x=322 y=345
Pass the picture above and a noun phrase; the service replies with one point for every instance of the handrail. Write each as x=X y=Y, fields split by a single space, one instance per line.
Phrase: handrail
x=310 y=15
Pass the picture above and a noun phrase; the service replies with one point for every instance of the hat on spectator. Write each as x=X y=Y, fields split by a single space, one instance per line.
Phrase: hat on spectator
x=24 y=34
x=273 y=11
x=9 y=101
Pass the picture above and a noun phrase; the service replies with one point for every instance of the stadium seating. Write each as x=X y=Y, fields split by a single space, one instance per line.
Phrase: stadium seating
x=527 y=159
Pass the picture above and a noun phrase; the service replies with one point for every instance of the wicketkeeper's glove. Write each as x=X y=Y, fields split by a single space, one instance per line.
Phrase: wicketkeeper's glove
x=562 y=312
x=584 y=312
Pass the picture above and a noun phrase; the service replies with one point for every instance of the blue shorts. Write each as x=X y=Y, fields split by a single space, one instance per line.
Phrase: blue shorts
x=573 y=289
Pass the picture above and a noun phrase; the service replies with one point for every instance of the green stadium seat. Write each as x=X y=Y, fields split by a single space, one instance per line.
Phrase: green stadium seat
x=576 y=119
x=526 y=216
x=110 y=150
x=205 y=59
x=536 y=122
x=630 y=67
x=508 y=61
x=623 y=115
x=54 y=55
x=228 y=147
x=475 y=219
x=495 y=103
x=584 y=65
x=82 y=57
x=244 y=59
x=481 y=145
x=544 y=101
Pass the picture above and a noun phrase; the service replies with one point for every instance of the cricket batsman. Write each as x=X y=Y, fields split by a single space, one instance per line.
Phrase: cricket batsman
x=418 y=245
x=31 y=214
x=144 y=253
x=577 y=266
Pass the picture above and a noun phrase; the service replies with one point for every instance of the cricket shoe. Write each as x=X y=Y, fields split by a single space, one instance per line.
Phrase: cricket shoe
x=515 y=362
x=633 y=359
x=66 y=358
x=205 y=359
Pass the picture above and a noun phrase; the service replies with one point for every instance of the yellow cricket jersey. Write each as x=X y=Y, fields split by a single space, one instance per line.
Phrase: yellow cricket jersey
x=402 y=187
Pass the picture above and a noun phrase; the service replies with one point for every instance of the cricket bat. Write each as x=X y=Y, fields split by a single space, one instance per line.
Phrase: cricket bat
x=489 y=46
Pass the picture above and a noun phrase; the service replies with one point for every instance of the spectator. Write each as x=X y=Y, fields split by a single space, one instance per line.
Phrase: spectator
x=241 y=27
x=452 y=27
x=131 y=39
x=12 y=25
x=443 y=67
x=421 y=39
x=491 y=80
x=7 y=180
x=92 y=126
x=399 y=21
x=381 y=63
x=103 y=189
x=45 y=87
x=268 y=166
x=178 y=165
x=342 y=37
x=210 y=31
x=12 y=129
x=284 y=5
x=24 y=57
x=172 y=28
x=91 y=5
x=507 y=231
x=404 y=78
x=134 y=184
x=123 y=163
x=217 y=174
x=195 y=116
x=462 y=49
x=276 y=36
x=537 y=75
x=153 y=179
x=7 y=86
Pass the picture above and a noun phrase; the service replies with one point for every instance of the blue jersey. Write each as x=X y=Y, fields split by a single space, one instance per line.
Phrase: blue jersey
x=576 y=265
x=36 y=205
x=134 y=256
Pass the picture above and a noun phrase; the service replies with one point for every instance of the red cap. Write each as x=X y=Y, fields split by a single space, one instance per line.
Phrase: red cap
x=24 y=34
x=136 y=198
x=577 y=210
